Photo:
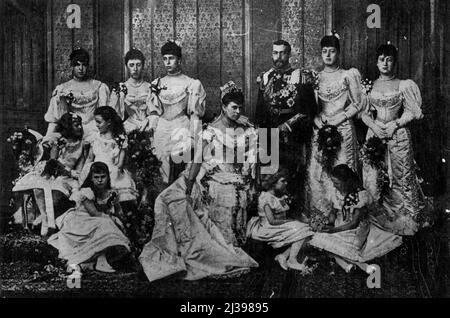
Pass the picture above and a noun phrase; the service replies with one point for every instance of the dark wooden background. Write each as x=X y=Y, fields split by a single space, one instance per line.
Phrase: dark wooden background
x=222 y=40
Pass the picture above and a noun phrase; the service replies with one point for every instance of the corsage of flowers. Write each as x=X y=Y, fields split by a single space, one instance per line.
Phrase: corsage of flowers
x=120 y=88
x=329 y=142
x=156 y=88
x=69 y=98
x=120 y=139
x=366 y=86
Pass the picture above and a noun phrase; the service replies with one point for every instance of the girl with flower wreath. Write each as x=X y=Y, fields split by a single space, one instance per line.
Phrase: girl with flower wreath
x=274 y=227
x=390 y=106
x=55 y=178
x=109 y=146
x=353 y=237
x=201 y=218
x=339 y=95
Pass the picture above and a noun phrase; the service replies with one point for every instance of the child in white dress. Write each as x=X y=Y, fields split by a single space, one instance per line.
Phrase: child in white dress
x=109 y=146
x=272 y=225
x=355 y=238
x=89 y=231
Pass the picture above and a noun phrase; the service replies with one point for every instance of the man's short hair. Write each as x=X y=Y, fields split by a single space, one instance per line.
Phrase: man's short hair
x=285 y=43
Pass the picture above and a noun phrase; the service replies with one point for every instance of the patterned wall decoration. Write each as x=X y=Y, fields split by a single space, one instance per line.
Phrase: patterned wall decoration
x=141 y=33
x=186 y=32
x=292 y=28
x=209 y=52
x=163 y=30
x=313 y=30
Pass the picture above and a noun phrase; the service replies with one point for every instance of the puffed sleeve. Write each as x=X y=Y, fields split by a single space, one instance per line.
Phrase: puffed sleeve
x=197 y=96
x=117 y=101
x=412 y=102
x=56 y=108
x=78 y=196
x=103 y=95
x=353 y=79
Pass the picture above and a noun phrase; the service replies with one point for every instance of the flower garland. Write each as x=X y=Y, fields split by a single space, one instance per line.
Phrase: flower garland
x=142 y=161
x=373 y=153
x=329 y=142
x=23 y=144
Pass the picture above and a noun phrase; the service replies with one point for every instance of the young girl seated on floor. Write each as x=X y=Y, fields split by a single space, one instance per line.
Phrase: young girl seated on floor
x=88 y=232
x=274 y=227
x=354 y=238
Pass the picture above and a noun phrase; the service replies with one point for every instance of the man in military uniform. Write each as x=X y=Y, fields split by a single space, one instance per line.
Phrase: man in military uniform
x=286 y=101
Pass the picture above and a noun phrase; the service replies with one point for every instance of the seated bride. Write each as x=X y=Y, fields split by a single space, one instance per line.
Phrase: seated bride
x=200 y=220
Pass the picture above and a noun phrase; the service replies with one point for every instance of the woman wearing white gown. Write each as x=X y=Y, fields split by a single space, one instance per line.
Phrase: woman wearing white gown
x=339 y=96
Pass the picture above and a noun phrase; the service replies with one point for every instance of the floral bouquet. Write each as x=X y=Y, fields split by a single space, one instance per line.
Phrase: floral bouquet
x=142 y=162
x=329 y=141
x=318 y=221
x=23 y=144
x=119 y=88
x=373 y=153
x=366 y=86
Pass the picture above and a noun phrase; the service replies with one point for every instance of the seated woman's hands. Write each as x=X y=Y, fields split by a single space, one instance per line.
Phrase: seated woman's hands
x=337 y=119
x=318 y=122
x=378 y=130
x=390 y=128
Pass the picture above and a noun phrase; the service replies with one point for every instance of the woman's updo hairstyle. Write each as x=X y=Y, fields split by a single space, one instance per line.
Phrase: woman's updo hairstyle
x=134 y=54
x=79 y=55
x=387 y=50
x=331 y=41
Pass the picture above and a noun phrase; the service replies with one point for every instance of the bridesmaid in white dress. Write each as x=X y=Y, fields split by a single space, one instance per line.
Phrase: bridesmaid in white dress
x=176 y=107
x=391 y=105
x=81 y=95
x=130 y=98
x=339 y=96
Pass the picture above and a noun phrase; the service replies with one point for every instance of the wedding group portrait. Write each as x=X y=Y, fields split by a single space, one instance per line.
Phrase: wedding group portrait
x=225 y=148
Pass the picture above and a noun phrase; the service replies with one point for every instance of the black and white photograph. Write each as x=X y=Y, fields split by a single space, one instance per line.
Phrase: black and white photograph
x=224 y=149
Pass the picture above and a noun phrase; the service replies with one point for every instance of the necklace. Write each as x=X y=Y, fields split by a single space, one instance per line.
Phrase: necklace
x=337 y=69
x=387 y=79
x=174 y=74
